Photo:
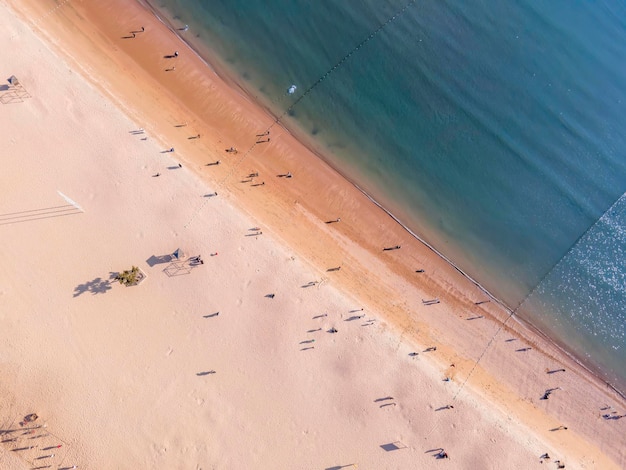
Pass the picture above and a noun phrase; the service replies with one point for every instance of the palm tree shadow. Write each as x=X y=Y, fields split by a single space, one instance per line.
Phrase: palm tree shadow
x=96 y=286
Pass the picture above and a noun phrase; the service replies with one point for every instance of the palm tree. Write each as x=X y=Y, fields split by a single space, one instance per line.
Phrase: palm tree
x=129 y=277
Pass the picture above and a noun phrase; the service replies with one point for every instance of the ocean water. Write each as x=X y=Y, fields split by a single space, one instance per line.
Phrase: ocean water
x=494 y=130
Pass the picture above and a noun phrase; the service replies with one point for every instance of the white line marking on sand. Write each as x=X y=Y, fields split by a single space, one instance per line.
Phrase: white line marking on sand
x=70 y=201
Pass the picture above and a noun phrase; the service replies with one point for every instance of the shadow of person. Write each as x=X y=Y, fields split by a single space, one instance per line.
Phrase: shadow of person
x=207 y=372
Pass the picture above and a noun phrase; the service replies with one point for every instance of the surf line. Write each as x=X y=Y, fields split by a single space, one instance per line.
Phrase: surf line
x=513 y=312
x=278 y=119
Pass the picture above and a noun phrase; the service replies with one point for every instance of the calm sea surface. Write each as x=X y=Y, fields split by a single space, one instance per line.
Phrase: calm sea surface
x=495 y=130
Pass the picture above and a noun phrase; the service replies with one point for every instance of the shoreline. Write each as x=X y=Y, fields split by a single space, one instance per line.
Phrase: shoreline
x=324 y=253
x=595 y=372
x=224 y=74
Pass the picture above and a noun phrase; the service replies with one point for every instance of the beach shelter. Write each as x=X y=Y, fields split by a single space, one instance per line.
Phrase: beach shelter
x=14 y=92
x=178 y=254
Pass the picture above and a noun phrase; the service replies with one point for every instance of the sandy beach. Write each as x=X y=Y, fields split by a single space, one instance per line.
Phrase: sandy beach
x=298 y=342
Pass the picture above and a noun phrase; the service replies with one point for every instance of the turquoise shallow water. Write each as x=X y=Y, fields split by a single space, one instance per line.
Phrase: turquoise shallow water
x=493 y=130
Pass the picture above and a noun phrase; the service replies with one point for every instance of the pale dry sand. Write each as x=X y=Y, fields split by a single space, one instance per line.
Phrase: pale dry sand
x=117 y=374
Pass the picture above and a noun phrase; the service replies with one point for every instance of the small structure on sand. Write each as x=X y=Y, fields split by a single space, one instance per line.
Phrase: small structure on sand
x=14 y=92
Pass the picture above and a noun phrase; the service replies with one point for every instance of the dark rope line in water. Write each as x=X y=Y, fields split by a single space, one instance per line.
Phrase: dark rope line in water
x=332 y=69
x=569 y=250
x=521 y=303
x=306 y=92
x=320 y=80
x=344 y=58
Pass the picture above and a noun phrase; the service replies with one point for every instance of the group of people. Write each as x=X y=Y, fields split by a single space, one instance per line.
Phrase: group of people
x=196 y=260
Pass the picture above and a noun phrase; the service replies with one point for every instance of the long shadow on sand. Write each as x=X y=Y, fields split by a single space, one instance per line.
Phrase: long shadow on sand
x=162 y=259
x=354 y=317
x=37 y=214
x=393 y=446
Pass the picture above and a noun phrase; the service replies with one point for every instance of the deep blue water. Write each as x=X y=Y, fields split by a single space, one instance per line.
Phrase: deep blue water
x=495 y=130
